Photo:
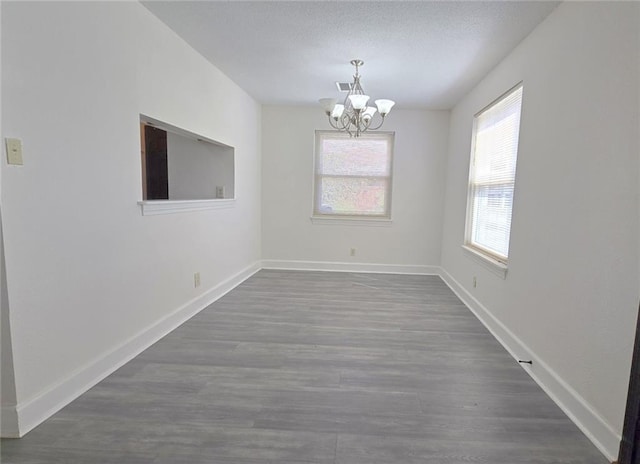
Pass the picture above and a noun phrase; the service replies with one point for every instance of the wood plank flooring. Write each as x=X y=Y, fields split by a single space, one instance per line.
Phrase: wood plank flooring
x=316 y=368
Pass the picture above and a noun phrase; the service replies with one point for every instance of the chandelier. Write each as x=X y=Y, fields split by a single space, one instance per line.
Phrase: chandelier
x=354 y=116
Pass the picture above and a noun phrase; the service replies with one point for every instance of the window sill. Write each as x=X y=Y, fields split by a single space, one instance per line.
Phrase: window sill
x=352 y=221
x=155 y=207
x=493 y=265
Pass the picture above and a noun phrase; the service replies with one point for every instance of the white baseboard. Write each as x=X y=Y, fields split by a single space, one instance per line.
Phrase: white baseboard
x=29 y=414
x=601 y=434
x=350 y=267
x=9 y=422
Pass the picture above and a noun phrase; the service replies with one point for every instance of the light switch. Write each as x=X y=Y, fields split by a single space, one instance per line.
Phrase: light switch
x=14 y=151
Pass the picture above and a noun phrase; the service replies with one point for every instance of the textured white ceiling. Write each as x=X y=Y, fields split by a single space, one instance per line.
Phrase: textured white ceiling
x=421 y=54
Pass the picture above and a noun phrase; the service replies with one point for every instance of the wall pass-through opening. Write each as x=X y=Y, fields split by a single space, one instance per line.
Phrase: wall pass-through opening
x=180 y=165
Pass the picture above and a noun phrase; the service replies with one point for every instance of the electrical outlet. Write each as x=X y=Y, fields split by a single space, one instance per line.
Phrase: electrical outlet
x=196 y=280
x=352 y=252
x=475 y=282
x=220 y=191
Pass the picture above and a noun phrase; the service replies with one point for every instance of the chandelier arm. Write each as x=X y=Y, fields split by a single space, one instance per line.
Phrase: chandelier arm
x=366 y=124
x=358 y=123
x=332 y=124
x=348 y=124
x=337 y=123
x=378 y=126
x=346 y=121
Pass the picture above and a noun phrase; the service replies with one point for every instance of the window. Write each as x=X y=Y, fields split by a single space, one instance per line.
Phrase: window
x=492 y=176
x=353 y=175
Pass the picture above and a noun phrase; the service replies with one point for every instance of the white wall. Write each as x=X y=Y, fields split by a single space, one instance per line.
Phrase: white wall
x=570 y=299
x=413 y=239
x=7 y=378
x=196 y=168
x=87 y=274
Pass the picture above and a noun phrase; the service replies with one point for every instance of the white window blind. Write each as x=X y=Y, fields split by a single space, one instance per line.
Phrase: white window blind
x=353 y=175
x=492 y=175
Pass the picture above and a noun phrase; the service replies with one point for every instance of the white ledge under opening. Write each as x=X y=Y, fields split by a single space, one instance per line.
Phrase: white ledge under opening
x=154 y=207
x=493 y=265
x=352 y=221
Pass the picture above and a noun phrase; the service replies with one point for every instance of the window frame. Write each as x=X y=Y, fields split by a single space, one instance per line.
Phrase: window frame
x=496 y=262
x=347 y=219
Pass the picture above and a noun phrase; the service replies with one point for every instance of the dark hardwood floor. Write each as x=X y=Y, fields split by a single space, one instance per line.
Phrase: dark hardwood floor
x=317 y=368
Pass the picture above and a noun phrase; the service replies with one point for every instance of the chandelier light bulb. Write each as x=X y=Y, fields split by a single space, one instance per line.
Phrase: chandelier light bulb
x=384 y=106
x=359 y=102
x=338 y=109
x=328 y=104
x=368 y=113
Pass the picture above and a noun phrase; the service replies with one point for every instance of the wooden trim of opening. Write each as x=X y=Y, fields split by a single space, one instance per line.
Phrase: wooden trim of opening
x=143 y=157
